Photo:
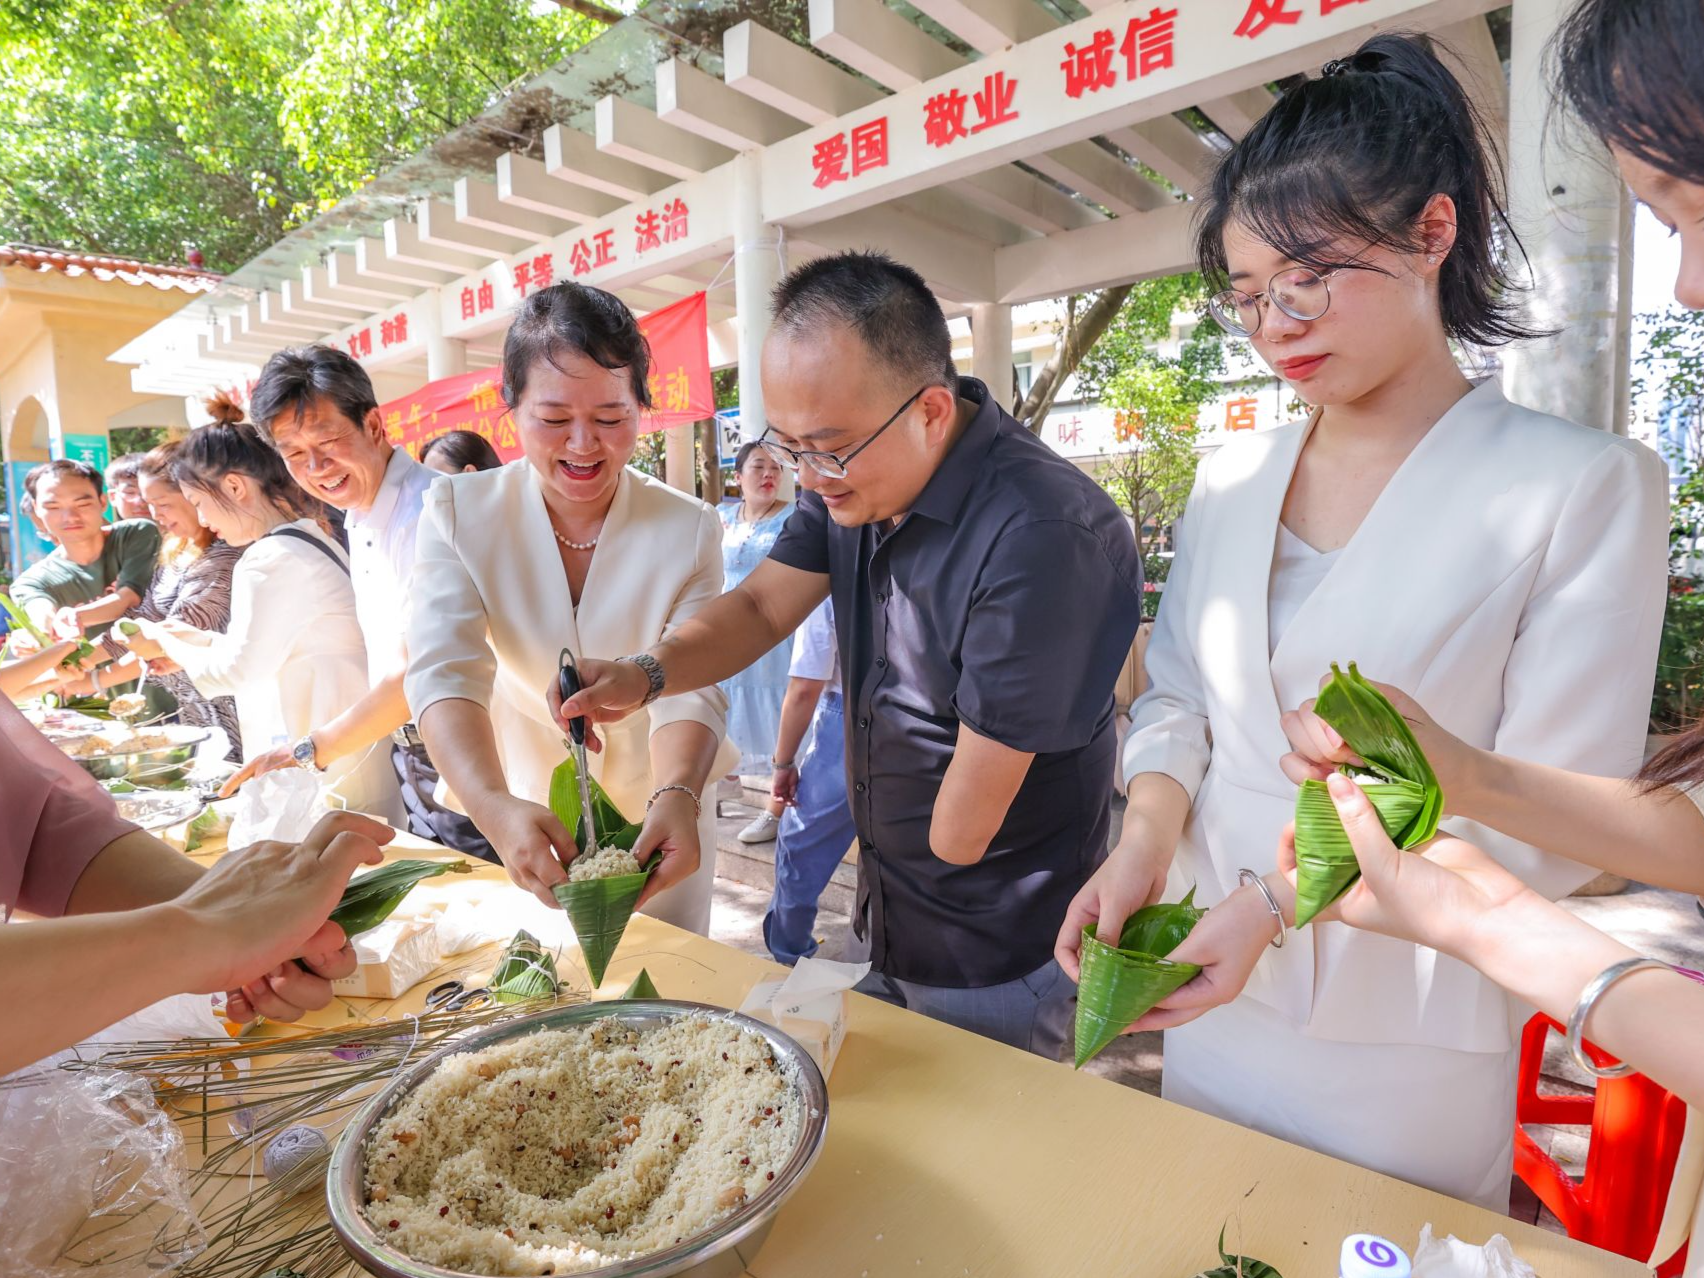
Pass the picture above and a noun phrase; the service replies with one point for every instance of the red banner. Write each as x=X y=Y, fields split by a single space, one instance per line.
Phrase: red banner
x=680 y=388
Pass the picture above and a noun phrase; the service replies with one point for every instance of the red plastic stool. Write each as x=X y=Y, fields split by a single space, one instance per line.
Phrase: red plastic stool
x=1636 y=1129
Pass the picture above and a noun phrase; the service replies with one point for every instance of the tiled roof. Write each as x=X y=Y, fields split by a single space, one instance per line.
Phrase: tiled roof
x=185 y=279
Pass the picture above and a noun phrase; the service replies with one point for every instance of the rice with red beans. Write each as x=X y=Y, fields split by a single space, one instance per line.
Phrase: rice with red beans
x=568 y=1150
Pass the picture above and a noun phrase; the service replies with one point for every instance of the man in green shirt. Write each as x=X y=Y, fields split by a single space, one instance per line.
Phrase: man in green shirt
x=100 y=571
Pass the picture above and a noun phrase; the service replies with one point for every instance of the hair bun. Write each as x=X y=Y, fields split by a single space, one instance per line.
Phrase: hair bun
x=223 y=408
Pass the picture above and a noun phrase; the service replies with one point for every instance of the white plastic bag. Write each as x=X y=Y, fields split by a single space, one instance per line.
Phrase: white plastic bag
x=93 y=1182
x=282 y=805
x=1452 y=1258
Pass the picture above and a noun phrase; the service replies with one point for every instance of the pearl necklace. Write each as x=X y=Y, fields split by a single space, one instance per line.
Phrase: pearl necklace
x=573 y=545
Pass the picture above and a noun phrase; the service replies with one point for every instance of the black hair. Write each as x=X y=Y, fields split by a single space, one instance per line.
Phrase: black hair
x=229 y=445
x=64 y=468
x=1625 y=68
x=744 y=454
x=120 y=469
x=295 y=377
x=1355 y=155
x=463 y=448
x=884 y=302
x=579 y=319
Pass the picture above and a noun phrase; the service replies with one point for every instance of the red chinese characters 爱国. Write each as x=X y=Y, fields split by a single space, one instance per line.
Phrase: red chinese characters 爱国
x=1263 y=14
x=846 y=155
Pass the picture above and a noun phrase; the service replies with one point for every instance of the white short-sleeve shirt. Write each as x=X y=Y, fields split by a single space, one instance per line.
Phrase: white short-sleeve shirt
x=381 y=561
x=816 y=655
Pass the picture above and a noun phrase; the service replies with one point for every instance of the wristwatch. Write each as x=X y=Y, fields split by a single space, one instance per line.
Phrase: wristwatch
x=653 y=672
x=303 y=753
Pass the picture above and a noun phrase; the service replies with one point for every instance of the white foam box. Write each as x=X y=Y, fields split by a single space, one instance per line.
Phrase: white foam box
x=393 y=957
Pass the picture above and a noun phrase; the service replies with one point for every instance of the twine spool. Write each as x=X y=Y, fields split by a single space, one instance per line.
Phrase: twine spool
x=293 y=1148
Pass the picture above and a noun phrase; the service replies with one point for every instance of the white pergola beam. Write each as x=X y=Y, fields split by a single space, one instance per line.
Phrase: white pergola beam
x=871 y=38
x=294 y=301
x=343 y=272
x=989 y=25
x=1236 y=113
x=795 y=81
x=1025 y=200
x=1096 y=6
x=628 y=131
x=1101 y=177
x=261 y=321
x=574 y=157
x=481 y=204
x=404 y=243
x=374 y=260
x=229 y=339
x=1171 y=148
x=438 y=224
x=317 y=287
x=702 y=104
x=956 y=266
x=1116 y=252
x=526 y=183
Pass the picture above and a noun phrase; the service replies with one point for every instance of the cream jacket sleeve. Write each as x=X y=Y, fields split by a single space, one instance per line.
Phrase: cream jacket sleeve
x=708 y=706
x=449 y=646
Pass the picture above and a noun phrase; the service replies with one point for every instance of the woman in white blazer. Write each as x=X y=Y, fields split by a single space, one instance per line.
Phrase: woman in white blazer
x=292 y=652
x=568 y=547
x=1505 y=566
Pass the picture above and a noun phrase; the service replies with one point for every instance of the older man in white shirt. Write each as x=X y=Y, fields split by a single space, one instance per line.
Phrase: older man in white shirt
x=317 y=406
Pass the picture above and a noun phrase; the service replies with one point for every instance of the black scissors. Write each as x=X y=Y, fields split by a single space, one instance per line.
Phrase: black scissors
x=453 y=996
x=567 y=684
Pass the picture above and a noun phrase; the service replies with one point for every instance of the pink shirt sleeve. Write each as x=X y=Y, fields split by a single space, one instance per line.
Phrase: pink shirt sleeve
x=57 y=818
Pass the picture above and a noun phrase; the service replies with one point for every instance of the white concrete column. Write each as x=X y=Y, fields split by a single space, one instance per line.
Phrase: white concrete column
x=758 y=267
x=991 y=349
x=1574 y=219
x=445 y=356
x=679 y=467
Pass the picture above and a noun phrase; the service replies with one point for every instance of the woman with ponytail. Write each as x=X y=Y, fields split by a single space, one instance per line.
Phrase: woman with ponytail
x=291 y=654
x=1414 y=522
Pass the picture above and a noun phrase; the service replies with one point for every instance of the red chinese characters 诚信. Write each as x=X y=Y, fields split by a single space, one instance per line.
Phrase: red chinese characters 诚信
x=1149 y=45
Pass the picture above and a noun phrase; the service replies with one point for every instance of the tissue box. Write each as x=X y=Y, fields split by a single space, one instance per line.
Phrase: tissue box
x=809 y=1006
x=393 y=957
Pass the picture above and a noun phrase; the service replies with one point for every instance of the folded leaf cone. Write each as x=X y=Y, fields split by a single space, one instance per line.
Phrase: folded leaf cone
x=1119 y=984
x=598 y=908
x=643 y=987
x=614 y=830
x=526 y=970
x=1397 y=779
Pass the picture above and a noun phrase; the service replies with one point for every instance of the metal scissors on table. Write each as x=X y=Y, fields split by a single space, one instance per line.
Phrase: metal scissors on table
x=567 y=684
x=453 y=996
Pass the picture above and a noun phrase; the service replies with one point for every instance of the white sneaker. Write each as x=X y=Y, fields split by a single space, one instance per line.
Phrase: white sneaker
x=761 y=830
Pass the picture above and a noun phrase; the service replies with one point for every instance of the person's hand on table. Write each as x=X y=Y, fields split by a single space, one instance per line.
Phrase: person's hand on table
x=532 y=844
x=271 y=761
x=1316 y=749
x=1133 y=875
x=1226 y=944
x=256 y=926
x=671 y=831
x=610 y=691
x=784 y=784
x=1437 y=895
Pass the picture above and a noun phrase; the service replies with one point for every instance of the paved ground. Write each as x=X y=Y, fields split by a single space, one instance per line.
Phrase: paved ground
x=1666 y=925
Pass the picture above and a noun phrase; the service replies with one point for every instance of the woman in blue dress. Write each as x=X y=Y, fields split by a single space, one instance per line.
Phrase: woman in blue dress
x=749 y=528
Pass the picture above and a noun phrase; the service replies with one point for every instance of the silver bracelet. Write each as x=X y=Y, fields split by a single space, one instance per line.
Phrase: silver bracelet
x=1595 y=989
x=1249 y=876
x=661 y=790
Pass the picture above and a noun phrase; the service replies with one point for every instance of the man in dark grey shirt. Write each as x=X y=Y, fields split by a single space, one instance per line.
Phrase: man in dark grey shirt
x=985 y=595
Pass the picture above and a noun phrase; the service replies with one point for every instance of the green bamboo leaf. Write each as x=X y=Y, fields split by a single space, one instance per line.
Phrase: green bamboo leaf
x=1238 y=1266
x=614 y=829
x=1398 y=781
x=643 y=987
x=526 y=970
x=370 y=898
x=599 y=910
x=1120 y=984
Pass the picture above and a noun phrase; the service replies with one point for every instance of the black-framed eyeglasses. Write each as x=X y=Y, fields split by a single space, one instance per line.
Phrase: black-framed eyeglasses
x=829 y=465
x=1301 y=293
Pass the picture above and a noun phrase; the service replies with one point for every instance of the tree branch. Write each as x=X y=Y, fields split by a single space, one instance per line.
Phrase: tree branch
x=591 y=9
x=1075 y=342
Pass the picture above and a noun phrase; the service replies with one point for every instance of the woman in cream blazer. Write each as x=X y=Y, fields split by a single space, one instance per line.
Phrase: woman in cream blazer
x=567 y=548
x=1507 y=568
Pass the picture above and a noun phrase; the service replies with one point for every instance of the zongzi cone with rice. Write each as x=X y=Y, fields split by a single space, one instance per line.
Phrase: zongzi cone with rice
x=1120 y=984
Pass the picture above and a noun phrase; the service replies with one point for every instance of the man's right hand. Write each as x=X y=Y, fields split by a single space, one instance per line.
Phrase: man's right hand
x=609 y=692
x=784 y=784
x=1134 y=875
x=532 y=844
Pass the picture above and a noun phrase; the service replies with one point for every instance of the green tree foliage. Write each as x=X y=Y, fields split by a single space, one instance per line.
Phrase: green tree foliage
x=142 y=127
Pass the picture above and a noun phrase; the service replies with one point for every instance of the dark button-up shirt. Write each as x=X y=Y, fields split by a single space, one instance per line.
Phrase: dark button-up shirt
x=1006 y=601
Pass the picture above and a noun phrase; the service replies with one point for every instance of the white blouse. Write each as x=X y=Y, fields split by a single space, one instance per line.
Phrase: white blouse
x=1297 y=570
x=293 y=658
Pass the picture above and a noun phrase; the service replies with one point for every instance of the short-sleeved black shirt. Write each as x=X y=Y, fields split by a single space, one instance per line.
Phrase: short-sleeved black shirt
x=1006 y=600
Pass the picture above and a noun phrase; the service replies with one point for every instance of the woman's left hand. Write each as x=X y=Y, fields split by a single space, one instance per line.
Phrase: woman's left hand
x=1226 y=944
x=671 y=830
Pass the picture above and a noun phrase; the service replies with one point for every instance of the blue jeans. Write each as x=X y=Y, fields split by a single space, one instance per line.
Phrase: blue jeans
x=1033 y=1013
x=813 y=837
